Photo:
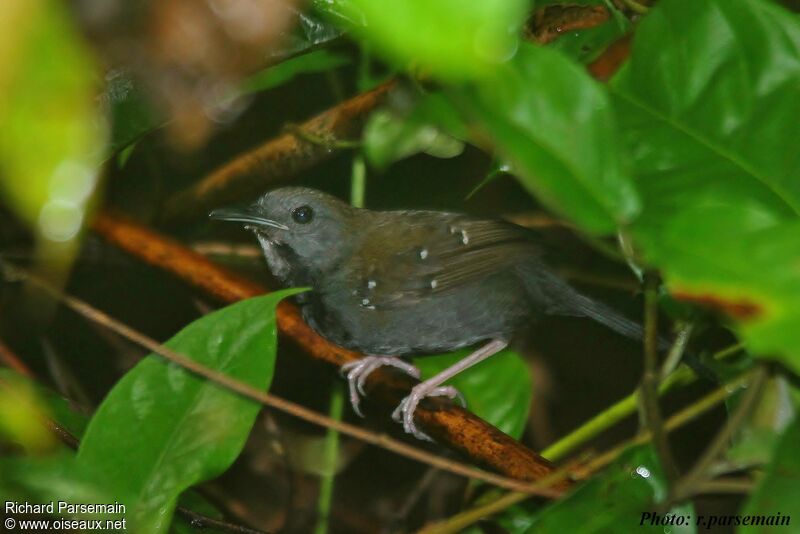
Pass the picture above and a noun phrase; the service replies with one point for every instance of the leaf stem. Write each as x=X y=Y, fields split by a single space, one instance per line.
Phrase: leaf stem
x=623 y=408
x=358 y=182
x=692 y=480
x=650 y=378
x=461 y=521
x=636 y=7
x=331 y=452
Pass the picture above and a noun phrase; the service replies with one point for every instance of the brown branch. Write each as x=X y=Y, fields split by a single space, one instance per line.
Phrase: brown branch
x=450 y=425
x=612 y=58
x=252 y=172
x=650 y=379
x=548 y=23
x=12 y=361
x=88 y=311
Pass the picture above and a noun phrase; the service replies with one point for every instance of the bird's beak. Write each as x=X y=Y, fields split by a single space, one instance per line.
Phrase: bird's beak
x=248 y=215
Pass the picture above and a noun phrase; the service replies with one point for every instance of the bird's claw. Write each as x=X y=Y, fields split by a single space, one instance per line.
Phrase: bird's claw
x=358 y=371
x=404 y=413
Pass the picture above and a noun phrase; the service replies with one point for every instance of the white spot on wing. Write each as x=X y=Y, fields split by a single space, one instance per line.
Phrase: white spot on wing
x=423 y=253
x=434 y=283
x=371 y=284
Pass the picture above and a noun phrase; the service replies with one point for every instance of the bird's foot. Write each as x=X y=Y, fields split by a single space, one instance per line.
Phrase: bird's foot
x=404 y=413
x=358 y=371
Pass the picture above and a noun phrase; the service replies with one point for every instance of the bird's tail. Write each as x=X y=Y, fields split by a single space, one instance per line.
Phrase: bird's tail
x=563 y=299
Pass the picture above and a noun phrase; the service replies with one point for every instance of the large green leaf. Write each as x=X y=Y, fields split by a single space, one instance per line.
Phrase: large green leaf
x=709 y=101
x=624 y=498
x=555 y=125
x=498 y=390
x=162 y=429
x=708 y=106
x=449 y=38
x=779 y=491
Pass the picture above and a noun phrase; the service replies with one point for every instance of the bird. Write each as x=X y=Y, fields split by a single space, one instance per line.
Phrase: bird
x=399 y=283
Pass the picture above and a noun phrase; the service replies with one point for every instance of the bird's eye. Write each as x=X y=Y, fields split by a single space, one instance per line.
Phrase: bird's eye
x=303 y=214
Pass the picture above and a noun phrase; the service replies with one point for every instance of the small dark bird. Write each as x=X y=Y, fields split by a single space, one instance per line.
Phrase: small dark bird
x=397 y=283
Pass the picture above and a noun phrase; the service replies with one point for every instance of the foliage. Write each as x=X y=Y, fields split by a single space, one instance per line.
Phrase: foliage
x=53 y=134
x=617 y=501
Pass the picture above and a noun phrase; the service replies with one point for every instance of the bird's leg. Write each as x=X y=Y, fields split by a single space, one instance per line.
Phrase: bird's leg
x=433 y=386
x=358 y=371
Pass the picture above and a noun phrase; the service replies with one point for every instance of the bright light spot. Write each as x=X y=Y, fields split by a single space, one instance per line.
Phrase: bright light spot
x=60 y=220
x=72 y=182
x=643 y=472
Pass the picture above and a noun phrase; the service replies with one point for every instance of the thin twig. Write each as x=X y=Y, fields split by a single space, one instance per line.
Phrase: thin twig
x=461 y=521
x=725 y=485
x=203 y=521
x=650 y=378
x=281 y=157
x=636 y=7
x=197 y=519
x=623 y=408
x=675 y=353
x=331 y=453
x=248 y=391
x=11 y=360
x=464 y=519
x=700 y=471
x=450 y=425
x=548 y=23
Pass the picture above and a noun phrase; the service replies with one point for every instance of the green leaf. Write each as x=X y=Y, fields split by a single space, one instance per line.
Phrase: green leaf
x=498 y=390
x=389 y=138
x=755 y=441
x=312 y=30
x=449 y=38
x=52 y=138
x=58 y=407
x=319 y=61
x=707 y=85
x=178 y=429
x=555 y=125
x=55 y=478
x=617 y=500
x=131 y=113
x=779 y=490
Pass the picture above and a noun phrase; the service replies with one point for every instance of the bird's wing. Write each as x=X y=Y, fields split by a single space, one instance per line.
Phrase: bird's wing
x=436 y=253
